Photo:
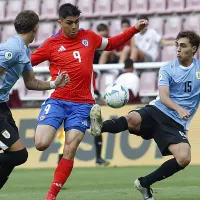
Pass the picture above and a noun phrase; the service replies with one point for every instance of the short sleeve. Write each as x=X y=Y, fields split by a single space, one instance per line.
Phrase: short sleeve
x=8 y=55
x=28 y=66
x=164 y=77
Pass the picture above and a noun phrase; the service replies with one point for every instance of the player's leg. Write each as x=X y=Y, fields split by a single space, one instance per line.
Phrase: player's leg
x=132 y=121
x=14 y=152
x=98 y=140
x=75 y=126
x=50 y=119
x=169 y=141
x=124 y=54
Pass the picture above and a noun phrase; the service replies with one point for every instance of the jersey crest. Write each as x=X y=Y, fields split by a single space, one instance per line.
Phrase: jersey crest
x=85 y=43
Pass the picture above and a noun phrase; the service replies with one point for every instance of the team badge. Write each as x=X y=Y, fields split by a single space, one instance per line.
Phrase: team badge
x=198 y=75
x=8 y=55
x=6 y=134
x=85 y=43
x=42 y=117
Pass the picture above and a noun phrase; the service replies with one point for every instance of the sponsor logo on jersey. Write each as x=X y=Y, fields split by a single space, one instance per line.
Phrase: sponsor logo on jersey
x=85 y=43
x=8 y=55
x=198 y=75
x=62 y=48
x=6 y=134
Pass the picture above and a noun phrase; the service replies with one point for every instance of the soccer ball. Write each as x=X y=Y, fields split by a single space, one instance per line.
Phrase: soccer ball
x=116 y=96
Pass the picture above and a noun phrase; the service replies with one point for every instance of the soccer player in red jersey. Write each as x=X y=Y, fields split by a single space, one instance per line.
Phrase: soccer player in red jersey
x=71 y=50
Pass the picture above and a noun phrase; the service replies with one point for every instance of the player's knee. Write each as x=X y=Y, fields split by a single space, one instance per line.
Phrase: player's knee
x=184 y=160
x=134 y=120
x=41 y=146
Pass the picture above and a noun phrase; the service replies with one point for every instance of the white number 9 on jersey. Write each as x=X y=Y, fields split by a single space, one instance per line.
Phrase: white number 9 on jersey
x=77 y=55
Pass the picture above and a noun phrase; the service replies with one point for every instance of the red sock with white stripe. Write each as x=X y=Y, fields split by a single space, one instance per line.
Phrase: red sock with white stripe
x=61 y=174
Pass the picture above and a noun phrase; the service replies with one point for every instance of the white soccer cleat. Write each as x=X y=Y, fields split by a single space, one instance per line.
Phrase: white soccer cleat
x=96 y=120
x=146 y=192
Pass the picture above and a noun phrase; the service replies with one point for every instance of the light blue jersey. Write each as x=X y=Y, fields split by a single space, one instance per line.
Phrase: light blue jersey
x=184 y=87
x=15 y=58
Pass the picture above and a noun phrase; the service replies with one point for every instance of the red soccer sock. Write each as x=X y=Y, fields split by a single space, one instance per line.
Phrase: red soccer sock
x=61 y=174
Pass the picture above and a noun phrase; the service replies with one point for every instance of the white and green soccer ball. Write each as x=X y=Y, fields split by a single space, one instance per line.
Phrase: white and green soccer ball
x=116 y=96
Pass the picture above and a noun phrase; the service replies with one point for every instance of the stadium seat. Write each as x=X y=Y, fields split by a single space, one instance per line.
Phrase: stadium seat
x=49 y=9
x=148 y=82
x=13 y=8
x=138 y=7
x=157 y=6
x=74 y=2
x=8 y=30
x=85 y=25
x=43 y=64
x=45 y=31
x=115 y=27
x=33 y=5
x=2 y=10
x=86 y=7
x=102 y=8
x=168 y=53
x=105 y=80
x=192 y=5
x=157 y=23
x=172 y=26
x=120 y=7
x=192 y=22
x=175 y=6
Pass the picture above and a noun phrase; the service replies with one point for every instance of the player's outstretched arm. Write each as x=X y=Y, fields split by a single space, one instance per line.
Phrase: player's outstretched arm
x=118 y=40
x=167 y=101
x=32 y=83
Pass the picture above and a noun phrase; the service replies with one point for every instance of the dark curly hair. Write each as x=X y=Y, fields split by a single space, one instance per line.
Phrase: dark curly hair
x=193 y=37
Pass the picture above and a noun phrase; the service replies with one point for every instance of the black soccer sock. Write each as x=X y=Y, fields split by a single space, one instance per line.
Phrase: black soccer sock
x=115 y=125
x=98 y=145
x=166 y=170
x=5 y=171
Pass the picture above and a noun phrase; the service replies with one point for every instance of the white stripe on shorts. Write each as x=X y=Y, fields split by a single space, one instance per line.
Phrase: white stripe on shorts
x=3 y=146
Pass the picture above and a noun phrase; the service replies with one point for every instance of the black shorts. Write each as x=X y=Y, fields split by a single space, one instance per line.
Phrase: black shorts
x=163 y=129
x=8 y=130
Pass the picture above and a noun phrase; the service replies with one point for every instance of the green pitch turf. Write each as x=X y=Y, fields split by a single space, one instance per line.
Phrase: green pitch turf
x=101 y=184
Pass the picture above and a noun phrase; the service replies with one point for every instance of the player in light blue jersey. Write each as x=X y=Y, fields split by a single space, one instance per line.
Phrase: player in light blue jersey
x=14 y=62
x=165 y=119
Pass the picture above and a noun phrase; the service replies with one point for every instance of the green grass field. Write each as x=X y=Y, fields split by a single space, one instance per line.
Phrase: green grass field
x=101 y=184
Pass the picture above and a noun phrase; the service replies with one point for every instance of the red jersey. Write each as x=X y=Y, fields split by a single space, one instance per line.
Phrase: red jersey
x=75 y=56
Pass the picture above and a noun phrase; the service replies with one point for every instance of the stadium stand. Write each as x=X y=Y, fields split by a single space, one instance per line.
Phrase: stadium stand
x=34 y=5
x=175 y=6
x=87 y=7
x=192 y=5
x=157 y=6
x=49 y=9
x=102 y=8
x=120 y=7
x=139 y=7
x=8 y=30
x=2 y=10
x=13 y=8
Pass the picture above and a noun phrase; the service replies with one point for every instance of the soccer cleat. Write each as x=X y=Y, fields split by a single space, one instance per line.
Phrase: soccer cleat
x=96 y=120
x=102 y=162
x=146 y=192
x=50 y=197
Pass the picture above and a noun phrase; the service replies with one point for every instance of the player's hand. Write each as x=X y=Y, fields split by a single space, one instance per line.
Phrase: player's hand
x=62 y=79
x=141 y=24
x=184 y=114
